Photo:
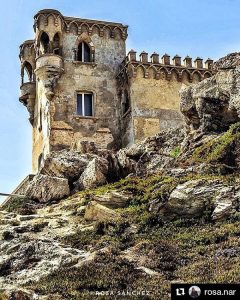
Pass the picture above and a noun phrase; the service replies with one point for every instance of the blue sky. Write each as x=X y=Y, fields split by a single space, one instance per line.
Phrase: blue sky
x=206 y=28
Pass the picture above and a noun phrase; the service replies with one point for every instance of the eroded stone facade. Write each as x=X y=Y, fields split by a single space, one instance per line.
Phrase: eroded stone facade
x=129 y=98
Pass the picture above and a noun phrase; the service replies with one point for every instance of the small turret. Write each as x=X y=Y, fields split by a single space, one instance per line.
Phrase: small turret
x=166 y=59
x=209 y=64
x=177 y=60
x=198 y=63
x=143 y=57
x=132 y=55
x=188 y=62
x=155 y=58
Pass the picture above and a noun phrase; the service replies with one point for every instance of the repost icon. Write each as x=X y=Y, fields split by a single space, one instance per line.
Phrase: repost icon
x=180 y=292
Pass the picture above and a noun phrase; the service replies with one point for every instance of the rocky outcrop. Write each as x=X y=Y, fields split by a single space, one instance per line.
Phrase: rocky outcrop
x=45 y=188
x=31 y=248
x=230 y=61
x=156 y=153
x=210 y=109
x=194 y=198
x=213 y=104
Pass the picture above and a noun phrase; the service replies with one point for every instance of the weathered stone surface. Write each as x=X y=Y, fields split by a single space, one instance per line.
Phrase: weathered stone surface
x=67 y=164
x=159 y=152
x=113 y=199
x=127 y=165
x=27 y=217
x=94 y=174
x=213 y=104
x=136 y=150
x=33 y=250
x=226 y=203
x=47 y=256
x=230 y=61
x=86 y=147
x=191 y=199
x=45 y=188
x=98 y=212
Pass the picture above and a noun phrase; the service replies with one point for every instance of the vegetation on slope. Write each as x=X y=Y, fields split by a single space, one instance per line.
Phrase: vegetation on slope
x=195 y=250
x=218 y=149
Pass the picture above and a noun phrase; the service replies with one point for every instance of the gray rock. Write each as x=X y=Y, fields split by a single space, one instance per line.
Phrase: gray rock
x=226 y=203
x=98 y=212
x=113 y=199
x=191 y=199
x=179 y=172
x=230 y=61
x=27 y=217
x=229 y=252
x=127 y=165
x=66 y=164
x=94 y=175
x=48 y=255
x=45 y=188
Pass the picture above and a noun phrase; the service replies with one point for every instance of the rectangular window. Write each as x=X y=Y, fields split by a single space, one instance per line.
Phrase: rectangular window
x=85 y=104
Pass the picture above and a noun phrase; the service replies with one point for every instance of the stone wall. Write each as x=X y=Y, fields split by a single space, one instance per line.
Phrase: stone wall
x=153 y=89
x=98 y=77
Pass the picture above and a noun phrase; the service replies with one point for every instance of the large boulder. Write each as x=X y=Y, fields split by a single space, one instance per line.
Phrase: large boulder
x=98 y=212
x=45 y=188
x=191 y=199
x=66 y=163
x=94 y=175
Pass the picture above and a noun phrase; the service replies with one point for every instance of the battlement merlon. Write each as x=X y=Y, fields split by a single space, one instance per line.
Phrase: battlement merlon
x=82 y=24
x=164 y=68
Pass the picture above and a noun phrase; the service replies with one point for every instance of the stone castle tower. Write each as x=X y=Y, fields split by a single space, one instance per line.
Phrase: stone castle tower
x=78 y=84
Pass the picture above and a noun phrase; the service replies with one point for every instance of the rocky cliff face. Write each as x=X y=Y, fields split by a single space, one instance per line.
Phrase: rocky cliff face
x=164 y=210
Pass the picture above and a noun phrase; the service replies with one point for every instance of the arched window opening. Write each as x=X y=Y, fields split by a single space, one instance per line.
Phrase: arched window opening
x=44 y=43
x=56 y=44
x=84 y=52
x=125 y=102
x=27 y=72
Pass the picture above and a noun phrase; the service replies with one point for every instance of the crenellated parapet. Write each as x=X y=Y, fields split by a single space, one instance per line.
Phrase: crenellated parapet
x=169 y=69
x=77 y=25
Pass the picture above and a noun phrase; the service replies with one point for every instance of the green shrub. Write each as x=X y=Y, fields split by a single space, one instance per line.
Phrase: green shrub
x=175 y=152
